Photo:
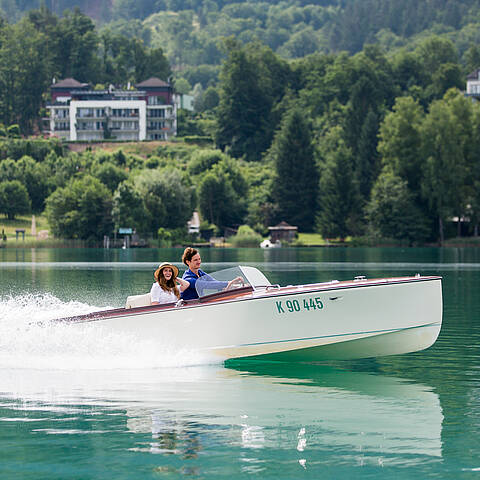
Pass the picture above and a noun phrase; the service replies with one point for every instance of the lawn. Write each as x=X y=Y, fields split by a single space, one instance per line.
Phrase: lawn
x=311 y=239
x=22 y=221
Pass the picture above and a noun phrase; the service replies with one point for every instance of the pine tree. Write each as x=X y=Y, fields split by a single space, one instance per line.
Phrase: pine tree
x=295 y=188
x=339 y=204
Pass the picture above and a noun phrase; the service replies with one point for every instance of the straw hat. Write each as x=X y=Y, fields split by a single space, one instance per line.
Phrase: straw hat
x=162 y=266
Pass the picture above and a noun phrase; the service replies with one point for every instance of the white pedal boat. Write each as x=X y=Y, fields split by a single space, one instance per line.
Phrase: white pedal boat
x=333 y=320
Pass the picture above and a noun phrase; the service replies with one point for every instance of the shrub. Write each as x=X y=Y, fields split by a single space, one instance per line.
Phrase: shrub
x=14 y=198
x=246 y=237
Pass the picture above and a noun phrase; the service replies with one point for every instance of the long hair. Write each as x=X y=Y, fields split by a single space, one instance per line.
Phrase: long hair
x=168 y=285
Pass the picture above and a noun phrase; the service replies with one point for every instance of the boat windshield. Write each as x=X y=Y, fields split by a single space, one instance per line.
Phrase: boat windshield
x=230 y=279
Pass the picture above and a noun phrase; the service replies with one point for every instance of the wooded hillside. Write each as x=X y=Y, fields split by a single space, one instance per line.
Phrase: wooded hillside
x=379 y=142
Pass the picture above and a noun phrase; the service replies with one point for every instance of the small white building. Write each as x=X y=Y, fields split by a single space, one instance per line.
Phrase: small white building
x=77 y=112
x=194 y=223
x=473 y=83
x=184 y=101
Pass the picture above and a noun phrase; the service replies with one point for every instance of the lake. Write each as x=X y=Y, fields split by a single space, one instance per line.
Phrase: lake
x=88 y=408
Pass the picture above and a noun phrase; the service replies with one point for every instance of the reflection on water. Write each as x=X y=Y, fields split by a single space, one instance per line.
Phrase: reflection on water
x=257 y=411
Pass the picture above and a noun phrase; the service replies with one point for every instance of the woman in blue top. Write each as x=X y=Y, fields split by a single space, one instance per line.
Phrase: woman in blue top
x=191 y=258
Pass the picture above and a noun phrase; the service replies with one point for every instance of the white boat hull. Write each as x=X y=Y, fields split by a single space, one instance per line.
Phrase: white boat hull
x=342 y=320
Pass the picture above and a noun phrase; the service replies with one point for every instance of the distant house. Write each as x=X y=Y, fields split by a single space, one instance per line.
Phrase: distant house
x=282 y=232
x=184 y=101
x=194 y=223
x=77 y=112
x=473 y=84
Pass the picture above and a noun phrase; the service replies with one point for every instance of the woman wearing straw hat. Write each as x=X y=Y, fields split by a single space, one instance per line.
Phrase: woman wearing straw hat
x=165 y=288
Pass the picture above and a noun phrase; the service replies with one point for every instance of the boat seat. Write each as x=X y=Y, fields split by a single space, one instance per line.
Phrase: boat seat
x=138 y=301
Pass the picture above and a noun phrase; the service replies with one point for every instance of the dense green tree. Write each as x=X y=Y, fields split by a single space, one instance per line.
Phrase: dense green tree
x=14 y=198
x=210 y=100
x=182 y=86
x=23 y=75
x=261 y=207
x=400 y=142
x=367 y=162
x=222 y=190
x=472 y=59
x=110 y=175
x=203 y=160
x=392 y=212
x=446 y=165
x=81 y=209
x=167 y=198
x=36 y=177
x=448 y=75
x=301 y=44
x=244 y=107
x=33 y=175
x=372 y=90
x=295 y=188
x=76 y=56
x=436 y=51
x=473 y=188
x=339 y=207
x=128 y=209
x=409 y=71
x=219 y=204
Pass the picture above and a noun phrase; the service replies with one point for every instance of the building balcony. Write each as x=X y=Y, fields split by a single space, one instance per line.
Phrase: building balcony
x=158 y=129
x=156 y=117
x=91 y=117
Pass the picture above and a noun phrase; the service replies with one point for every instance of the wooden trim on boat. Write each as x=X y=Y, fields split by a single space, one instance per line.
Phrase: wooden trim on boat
x=244 y=294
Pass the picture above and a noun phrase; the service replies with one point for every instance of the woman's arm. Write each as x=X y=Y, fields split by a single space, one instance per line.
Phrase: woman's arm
x=155 y=294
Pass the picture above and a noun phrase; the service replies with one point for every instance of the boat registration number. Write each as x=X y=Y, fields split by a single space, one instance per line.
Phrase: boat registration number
x=291 y=306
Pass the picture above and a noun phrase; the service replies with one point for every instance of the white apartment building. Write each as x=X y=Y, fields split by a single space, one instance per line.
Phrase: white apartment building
x=77 y=112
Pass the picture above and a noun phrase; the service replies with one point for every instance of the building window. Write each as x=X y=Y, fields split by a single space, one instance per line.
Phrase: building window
x=124 y=126
x=157 y=113
x=62 y=126
x=125 y=112
x=156 y=125
x=156 y=100
x=85 y=113
x=156 y=136
x=60 y=113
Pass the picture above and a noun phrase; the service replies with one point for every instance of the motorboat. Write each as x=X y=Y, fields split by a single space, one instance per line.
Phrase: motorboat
x=358 y=318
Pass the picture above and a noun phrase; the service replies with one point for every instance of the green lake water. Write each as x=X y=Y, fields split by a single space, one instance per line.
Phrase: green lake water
x=87 y=408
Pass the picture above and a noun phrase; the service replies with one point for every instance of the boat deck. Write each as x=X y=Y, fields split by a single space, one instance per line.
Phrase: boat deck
x=248 y=292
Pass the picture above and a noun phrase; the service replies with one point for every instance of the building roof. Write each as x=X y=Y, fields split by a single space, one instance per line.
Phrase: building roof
x=68 y=83
x=475 y=75
x=283 y=226
x=152 y=82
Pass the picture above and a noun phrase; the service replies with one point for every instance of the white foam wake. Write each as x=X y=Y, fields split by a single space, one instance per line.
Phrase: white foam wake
x=29 y=338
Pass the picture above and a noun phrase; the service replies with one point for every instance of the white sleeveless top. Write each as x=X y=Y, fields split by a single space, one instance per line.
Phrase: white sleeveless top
x=158 y=294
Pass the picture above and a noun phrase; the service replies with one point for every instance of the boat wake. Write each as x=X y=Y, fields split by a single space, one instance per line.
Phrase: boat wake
x=30 y=338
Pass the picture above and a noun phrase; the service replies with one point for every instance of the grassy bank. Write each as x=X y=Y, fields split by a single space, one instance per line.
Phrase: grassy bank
x=25 y=222
x=9 y=227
